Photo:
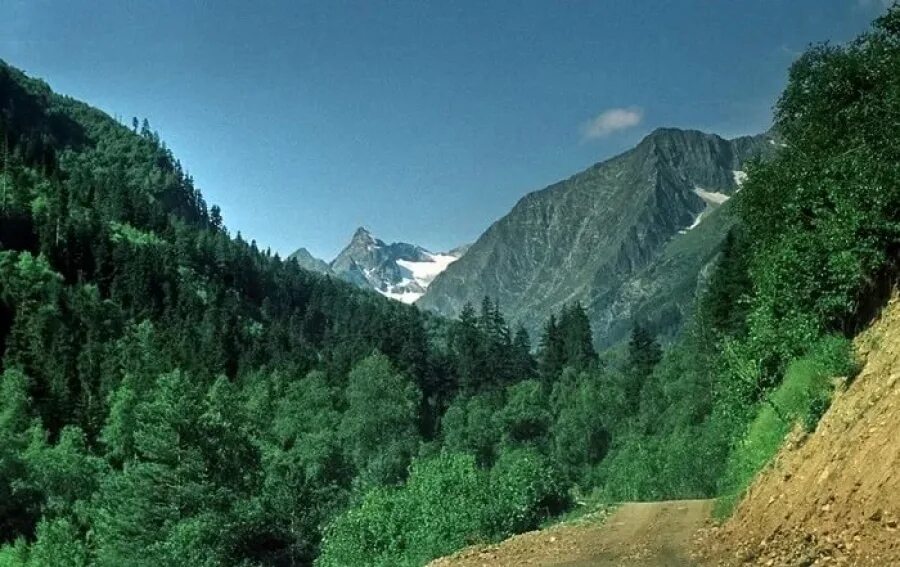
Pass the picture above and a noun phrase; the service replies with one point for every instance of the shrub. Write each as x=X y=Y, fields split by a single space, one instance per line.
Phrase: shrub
x=440 y=509
x=448 y=502
x=370 y=533
x=526 y=489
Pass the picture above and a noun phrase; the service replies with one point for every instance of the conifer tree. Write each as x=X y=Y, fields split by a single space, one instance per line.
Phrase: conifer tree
x=644 y=353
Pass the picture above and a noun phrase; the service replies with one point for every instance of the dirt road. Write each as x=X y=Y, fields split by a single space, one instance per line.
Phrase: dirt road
x=655 y=534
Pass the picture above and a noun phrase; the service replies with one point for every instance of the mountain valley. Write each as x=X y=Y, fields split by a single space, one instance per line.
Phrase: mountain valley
x=686 y=354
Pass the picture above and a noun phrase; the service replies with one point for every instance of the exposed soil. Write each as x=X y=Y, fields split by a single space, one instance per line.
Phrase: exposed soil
x=833 y=497
x=655 y=534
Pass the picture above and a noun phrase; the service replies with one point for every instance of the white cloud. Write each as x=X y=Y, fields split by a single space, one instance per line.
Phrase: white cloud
x=610 y=121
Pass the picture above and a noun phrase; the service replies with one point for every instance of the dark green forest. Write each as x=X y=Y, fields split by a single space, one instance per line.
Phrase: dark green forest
x=175 y=395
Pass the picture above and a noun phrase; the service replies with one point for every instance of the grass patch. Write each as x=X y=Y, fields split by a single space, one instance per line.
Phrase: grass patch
x=803 y=397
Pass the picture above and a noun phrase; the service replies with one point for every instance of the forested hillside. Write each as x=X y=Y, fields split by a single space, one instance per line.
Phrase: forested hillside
x=173 y=395
x=813 y=257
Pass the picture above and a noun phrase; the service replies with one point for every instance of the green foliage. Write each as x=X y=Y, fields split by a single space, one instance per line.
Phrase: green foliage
x=470 y=426
x=814 y=245
x=644 y=353
x=525 y=419
x=367 y=534
x=127 y=233
x=58 y=544
x=18 y=500
x=446 y=503
x=725 y=304
x=566 y=342
x=450 y=502
x=441 y=508
x=801 y=398
x=488 y=357
x=14 y=554
x=65 y=473
x=172 y=395
x=582 y=429
x=379 y=427
x=526 y=488
x=821 y=215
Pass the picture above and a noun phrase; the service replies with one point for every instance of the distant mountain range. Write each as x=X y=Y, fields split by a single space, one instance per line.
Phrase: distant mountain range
x=632 y=238
x=398 y=270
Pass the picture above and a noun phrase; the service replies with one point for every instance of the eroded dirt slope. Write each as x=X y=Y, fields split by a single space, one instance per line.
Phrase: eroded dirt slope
x=832 y=498
x=653 y=534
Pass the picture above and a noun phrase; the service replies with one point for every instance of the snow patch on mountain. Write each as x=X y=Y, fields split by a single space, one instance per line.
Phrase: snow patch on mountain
x=712 y=199
x=739 y=177
x=398 y=270
x=403 y=296
x=425 y=272
x=418 y=276
x=695 y=224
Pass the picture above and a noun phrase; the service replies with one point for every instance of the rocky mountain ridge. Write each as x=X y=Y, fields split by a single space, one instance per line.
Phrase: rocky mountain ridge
x=397 y=270
x=629 y=237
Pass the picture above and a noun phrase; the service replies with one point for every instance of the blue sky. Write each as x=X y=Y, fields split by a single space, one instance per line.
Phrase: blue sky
x=424 y=121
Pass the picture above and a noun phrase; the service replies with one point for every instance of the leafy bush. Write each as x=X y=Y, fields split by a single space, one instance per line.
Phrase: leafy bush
x=448 y=502
x=441 y=508
x=526 y=489
x=59 y=544
x=469 y=425
x=581 y=432
x=371 y=533
x=525 y=419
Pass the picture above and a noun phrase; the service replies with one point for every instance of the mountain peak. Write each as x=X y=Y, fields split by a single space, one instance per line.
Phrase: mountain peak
x=310 y=262
x=362 y=234
x=398 y=270
x=667 y=133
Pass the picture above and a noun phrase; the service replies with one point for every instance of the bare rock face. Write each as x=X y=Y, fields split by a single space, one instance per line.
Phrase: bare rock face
x=630 y=238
